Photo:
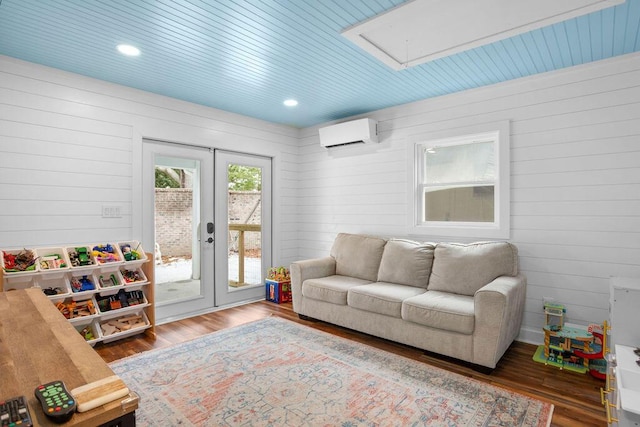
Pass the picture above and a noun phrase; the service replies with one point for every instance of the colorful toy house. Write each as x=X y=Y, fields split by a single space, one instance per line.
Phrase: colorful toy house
x=574 y=348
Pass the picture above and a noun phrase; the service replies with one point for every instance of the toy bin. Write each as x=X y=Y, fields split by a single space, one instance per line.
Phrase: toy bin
x=106 y=254
x=52 y=259
x=89 y=330
x=75 y=310
x=122 y=301
x=108 y=280
x=120 y=326
x=278 y=292
x=132 y=252
x=54 y=286
x=133 y=276
x=82 y=283
x=19 y=281
x=80 y=257
x=19 y=261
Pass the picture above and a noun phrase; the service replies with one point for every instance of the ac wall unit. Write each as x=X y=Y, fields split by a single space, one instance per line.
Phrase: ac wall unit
x=354 y=132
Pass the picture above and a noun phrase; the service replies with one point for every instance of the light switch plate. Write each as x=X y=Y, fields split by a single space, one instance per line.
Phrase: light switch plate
x=111 y=211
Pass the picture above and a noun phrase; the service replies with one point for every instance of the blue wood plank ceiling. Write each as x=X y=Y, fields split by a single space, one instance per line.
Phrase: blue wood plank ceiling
x=247 y=57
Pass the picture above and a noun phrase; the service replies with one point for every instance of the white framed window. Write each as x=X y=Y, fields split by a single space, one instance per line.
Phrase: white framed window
x=460 y=183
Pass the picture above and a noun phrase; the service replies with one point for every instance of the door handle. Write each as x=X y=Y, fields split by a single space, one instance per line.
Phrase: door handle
x=210 y=230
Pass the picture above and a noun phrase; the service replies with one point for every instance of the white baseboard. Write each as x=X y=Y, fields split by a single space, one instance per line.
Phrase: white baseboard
x=531 y=336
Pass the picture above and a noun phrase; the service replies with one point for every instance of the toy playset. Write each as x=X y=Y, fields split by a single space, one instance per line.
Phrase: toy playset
x=574 y=348
x=278 y=285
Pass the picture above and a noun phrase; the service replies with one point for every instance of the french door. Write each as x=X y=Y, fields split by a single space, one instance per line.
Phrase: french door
x=243 y=226
x=211 y=241
x=178 y=204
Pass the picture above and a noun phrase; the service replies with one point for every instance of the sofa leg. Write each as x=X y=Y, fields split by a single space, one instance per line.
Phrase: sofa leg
x=478 y=368
x=303 y=317
x=482 y=369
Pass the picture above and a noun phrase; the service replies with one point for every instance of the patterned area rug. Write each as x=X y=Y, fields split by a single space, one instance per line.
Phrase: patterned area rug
x=274 y=372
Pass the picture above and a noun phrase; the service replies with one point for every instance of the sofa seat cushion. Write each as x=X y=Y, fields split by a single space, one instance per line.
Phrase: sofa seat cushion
x=406 y=262
x=441 y=310
x=331 y=289
x=358 y=255
x=463 y=269
x=381 y=297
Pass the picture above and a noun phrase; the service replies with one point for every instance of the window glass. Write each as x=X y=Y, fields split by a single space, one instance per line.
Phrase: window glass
x=461 y=184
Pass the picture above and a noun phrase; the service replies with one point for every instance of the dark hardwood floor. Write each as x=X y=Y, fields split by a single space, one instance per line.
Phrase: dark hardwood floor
x=576 y=397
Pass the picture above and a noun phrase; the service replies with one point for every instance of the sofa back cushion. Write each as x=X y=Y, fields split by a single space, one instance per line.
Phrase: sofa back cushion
x=406 y=262
x=463 y=269
x=357 y=255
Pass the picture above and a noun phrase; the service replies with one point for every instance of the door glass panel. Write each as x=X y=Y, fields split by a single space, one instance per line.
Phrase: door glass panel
x=245 y=225
x=177 y=221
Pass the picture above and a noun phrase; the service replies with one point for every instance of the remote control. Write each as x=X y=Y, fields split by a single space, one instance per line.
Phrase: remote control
x=57 y=403
x=15 y=412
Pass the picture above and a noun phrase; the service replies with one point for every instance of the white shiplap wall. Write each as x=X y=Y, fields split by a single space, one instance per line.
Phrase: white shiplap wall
x=575 y=180
x=70 y=144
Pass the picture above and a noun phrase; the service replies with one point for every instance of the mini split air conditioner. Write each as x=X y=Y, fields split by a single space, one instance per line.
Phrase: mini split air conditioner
x=354 y=132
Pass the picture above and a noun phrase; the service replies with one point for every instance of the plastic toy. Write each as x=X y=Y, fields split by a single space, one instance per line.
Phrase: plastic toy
x=111 y=281
x=87 y=333
x=52 y=262
x=80 y=257
x=105 y=253
x=22 y=261
x=52 y=291
x=128 y=253
x=81 y=284
x=130 y=276
x=597 y=363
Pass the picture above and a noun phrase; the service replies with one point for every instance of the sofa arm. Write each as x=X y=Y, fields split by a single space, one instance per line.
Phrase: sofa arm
x=499 y=307
x=309 y=269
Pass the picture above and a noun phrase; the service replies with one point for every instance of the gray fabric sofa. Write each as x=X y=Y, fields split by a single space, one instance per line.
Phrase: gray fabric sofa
x=462 y=301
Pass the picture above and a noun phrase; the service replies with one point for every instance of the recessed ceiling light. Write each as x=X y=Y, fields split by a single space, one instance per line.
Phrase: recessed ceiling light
x=290 y=102
x=127 y=49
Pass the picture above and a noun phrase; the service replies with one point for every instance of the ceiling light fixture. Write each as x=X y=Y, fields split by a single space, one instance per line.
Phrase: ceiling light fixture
x=290 y=102
x=127 y=49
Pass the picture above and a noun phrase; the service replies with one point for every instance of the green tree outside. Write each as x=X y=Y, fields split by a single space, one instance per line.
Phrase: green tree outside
x=244 y=178
x=164 y=180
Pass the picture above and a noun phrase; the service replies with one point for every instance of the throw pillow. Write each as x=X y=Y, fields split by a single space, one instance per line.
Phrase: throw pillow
x=406 y=262
x=358 y=255
x=463 y=269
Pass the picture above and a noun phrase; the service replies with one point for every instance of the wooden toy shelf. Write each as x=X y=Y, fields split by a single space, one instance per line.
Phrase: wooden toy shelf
x=111 y=275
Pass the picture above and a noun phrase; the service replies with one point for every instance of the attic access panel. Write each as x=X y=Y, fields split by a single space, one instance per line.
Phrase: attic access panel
x=423 y=30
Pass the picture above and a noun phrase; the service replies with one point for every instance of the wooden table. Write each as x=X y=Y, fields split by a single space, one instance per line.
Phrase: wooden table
x=39 y=345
